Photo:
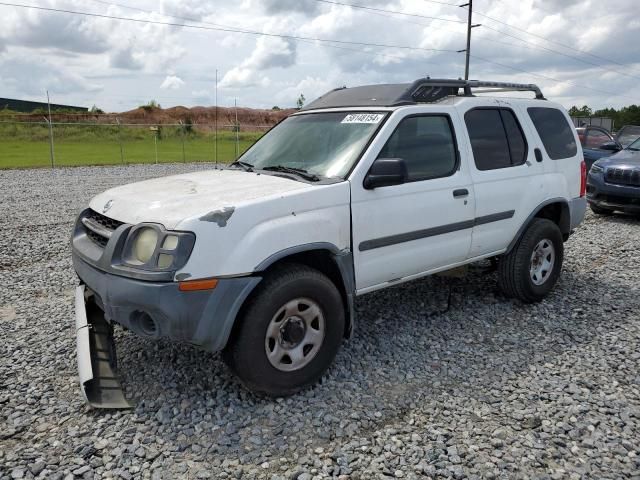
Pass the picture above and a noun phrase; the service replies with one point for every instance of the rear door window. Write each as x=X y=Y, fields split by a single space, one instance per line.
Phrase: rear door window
x=555 y=132
x=496 y=138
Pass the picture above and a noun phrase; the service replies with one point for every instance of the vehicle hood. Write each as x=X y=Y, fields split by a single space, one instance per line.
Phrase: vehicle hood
x=169 y=200
x=624 y=158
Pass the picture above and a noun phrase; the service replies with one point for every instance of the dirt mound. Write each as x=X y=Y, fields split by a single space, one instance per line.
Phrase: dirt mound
x=205 y=115
x=247 y=117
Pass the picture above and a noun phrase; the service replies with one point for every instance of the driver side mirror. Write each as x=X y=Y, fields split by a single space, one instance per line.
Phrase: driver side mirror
x=385 y=172
x=612 y=146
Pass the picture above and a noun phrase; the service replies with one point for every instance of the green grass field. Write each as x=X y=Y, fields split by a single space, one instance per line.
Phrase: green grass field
x=27 y=146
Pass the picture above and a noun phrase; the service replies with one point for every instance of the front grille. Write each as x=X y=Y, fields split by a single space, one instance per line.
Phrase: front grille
x=107 y=223
x=623 y=176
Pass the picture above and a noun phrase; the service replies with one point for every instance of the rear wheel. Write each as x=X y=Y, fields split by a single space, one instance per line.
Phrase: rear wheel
x=289 y=333
x=530 y=271
x=600 y=210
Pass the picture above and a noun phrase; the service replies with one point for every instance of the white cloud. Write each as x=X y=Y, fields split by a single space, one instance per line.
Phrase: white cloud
x=269 y=53
x=33 y=76
x=172 y=82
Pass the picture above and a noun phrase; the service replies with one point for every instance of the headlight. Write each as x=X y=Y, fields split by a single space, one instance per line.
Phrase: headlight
x=596 y=169
x=150 y=247
x=145 y=244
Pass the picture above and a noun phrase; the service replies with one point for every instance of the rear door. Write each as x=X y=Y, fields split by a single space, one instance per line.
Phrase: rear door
x=401 y=232
x=558 y=142
x=508 y=180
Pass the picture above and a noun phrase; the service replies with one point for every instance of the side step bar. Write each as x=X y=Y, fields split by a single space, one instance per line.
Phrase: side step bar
x=96 y=355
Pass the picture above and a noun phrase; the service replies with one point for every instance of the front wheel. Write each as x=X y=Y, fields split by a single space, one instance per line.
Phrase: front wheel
x=530 y=271
x=289 y=333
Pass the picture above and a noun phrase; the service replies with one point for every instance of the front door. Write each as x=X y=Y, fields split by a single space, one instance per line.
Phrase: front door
x=403 y=231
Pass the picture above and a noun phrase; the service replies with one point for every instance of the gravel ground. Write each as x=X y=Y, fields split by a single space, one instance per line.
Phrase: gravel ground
x=491 y=388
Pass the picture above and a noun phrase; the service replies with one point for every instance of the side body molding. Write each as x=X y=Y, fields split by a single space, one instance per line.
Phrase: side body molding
x=565 y=220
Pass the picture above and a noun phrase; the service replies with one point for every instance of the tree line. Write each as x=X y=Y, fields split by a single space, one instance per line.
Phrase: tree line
x=625 y=116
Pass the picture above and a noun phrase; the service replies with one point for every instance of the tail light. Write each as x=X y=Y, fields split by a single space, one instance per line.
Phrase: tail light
x=583 y=179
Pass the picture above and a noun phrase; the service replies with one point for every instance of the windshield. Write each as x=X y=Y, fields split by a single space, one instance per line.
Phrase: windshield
x=628 y=135
x=324 y=144
x=635 y=145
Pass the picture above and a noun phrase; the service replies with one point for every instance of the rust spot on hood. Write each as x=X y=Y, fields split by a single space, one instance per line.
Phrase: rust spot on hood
x=221 y=217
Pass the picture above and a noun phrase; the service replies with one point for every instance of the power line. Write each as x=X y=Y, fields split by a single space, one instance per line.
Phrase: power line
x=546 y=39
x=223 y=29
x=546 y=77
x=542 y=47
x=572 y=48
x=294 y=37
x=363 y=7
x=363 y=52
x=386 y=55
x=396 y=12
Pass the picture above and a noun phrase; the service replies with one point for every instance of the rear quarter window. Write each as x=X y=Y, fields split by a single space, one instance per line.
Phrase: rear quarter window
x=555 y=132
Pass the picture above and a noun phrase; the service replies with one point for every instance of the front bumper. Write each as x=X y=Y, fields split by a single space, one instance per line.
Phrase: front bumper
x=96 y=355
x=160 y=309
x=612 y=196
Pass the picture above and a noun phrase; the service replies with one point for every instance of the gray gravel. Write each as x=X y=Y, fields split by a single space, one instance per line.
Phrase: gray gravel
x=490 y=389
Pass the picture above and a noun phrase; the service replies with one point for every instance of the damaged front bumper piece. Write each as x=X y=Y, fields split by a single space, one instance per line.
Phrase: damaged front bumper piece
x=96 y=355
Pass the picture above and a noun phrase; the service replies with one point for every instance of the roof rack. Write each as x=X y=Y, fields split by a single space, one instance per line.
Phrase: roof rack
x=423 y=90
x=430 y=90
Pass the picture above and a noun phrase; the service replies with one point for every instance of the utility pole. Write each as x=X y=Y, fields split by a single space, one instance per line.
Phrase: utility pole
x=215 y=148
x=53 y=162
x=237 y=129
x=469 y=27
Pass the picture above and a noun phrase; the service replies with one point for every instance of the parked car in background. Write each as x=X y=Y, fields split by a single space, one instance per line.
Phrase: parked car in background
x=628 y=134
x=613 y=183
x=597 y=142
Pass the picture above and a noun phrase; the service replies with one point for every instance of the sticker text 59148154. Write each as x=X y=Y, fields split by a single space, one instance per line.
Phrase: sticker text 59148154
x=363 y=118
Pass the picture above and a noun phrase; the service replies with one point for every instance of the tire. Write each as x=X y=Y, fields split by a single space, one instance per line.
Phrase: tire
x=540 y=243
x=292 y=301
x=599 y=210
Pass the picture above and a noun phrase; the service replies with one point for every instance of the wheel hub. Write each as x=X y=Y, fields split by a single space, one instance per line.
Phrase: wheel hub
x=292 y=332
x=542 y=262
x=295 y=334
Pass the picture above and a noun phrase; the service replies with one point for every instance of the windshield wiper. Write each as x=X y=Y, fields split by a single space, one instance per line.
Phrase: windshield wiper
x=246 y=166
x=312 y=177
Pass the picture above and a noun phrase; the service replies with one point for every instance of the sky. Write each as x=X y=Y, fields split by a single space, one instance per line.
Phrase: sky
x=578 y=51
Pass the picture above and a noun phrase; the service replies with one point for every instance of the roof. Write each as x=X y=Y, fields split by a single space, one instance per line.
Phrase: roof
x=28 y=106
x=423 y=90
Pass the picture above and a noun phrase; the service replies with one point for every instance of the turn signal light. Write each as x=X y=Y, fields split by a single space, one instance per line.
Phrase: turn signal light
x=197 y=285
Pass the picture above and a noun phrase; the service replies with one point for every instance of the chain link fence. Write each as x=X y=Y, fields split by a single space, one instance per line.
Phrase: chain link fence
x=45 y=144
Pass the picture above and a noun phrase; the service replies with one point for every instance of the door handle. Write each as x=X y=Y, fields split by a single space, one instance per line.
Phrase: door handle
x=461 y=192
x=538 y=155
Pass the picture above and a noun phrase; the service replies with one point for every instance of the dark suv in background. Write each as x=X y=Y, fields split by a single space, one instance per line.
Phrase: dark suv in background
x=613 y=182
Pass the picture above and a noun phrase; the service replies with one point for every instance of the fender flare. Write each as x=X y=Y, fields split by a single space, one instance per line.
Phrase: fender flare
x=565 y=220
x=344 y=261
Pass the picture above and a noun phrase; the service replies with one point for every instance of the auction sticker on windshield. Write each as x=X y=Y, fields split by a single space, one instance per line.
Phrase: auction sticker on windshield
x=363 y=118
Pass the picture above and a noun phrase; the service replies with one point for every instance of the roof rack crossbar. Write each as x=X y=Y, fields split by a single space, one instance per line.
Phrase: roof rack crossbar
x=507 y=87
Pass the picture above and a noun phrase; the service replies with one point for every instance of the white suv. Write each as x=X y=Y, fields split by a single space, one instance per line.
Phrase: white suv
x=363 y=189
